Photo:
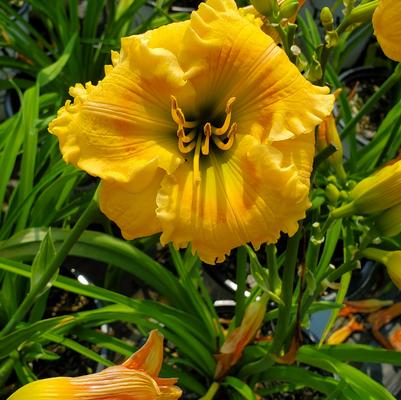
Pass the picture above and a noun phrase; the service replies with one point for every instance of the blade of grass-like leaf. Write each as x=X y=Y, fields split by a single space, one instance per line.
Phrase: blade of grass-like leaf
x=185 y=327
x=8 y=157
x=374 y=150
x=42 y=260
x=50 y=200
x=104 y=248
x=361 y=383
x=30 y=113
x=299 y=375
x=241 y=387
x=172 y=328
x=79 y=348
x=105 y=341
x=11 y=342
x=46 y=75
x=362 y=353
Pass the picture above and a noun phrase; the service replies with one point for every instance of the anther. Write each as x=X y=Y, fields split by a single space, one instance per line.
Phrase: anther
x=185 y=149
x=226 y=124
x=231 y=134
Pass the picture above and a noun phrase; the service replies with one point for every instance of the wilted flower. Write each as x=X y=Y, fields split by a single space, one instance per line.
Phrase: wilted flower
x=342 y=334
x=200 y=130
x=387 y=27
x=136 y=379
x=238 y=338
x=363 y=306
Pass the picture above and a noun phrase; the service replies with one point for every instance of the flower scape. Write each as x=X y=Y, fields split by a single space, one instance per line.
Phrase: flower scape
x=201 y=130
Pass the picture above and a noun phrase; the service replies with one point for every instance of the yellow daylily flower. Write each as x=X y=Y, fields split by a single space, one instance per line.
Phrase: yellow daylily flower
x=136 y=379
x=200 y=130
x=387 y=27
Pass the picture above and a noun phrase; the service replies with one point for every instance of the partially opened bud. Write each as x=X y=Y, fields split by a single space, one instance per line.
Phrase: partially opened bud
x=288 y=8
x=378 y=192
x=389 y=222
x=265 y=7
x=135 y=379
x=237 y=339
x=390 y=259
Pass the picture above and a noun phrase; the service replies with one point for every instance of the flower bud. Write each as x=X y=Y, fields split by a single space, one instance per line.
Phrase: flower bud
x=288 y=8
x=390 y=259
x=328 y=135
x=378 y=192
x=326 y=18
x=265 y=7
x=389 y=222
x=332 y=193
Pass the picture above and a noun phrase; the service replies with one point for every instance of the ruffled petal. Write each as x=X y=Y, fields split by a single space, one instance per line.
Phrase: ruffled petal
x=226 y=55
x=387 y=27
x=132 y=205
x=298 y=152
x=126 y=117
x=245 y=195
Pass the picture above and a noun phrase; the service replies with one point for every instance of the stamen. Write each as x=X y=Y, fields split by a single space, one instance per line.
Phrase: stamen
x=196 y=159
x=186 y=149
x=223 y=129
x=176 y=113
x=186 y=138
x=207 y=130
x=231 y=134
x=179 y=117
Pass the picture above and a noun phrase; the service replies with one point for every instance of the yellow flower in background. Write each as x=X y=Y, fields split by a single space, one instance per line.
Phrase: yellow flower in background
x=201 y=130
x=387 y=27
x=136 y=379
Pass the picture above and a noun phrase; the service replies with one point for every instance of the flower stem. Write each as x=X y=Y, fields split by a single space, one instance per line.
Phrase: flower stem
x=284 y=313
x=374 y=254
x=275 y=281
x=387 y=85
x=360 y=14
x=84 y=220
x=214 y=387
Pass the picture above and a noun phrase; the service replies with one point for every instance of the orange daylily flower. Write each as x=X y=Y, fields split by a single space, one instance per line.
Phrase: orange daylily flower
x=239 y=337
x=387 y=27
x=381 y=318
x=201 y=130
x=136 y=379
